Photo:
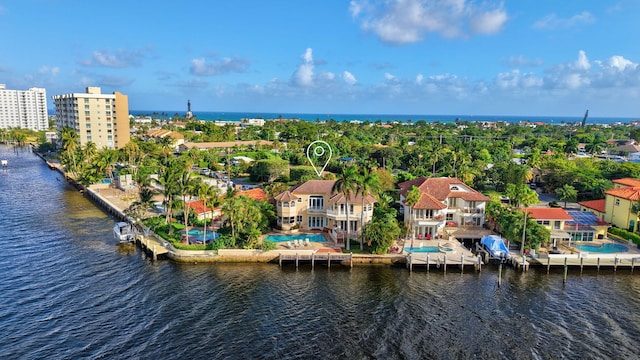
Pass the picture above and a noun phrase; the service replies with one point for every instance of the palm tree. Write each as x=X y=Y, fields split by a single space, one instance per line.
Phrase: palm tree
x=528 y=197
x=365 y=184
x=567 y=193
x=168 y=180
x=70 y=144
x=209 y=196
x=186 y=186
x=346 y=184
x=412 y=198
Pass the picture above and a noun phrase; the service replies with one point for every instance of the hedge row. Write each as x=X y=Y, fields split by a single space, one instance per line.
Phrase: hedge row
x=625 y=234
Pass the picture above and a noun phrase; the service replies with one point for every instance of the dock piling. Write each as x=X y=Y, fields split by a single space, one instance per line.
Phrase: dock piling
x=500 y=274
x=566 y=270
x=427 y=262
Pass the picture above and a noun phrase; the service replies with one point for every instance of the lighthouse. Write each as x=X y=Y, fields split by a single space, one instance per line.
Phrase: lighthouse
x=189 y=114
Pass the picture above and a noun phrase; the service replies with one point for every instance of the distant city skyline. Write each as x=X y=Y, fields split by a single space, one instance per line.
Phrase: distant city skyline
x=521 y=58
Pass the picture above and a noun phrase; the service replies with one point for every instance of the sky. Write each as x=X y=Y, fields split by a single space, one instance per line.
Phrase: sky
x=429 y=57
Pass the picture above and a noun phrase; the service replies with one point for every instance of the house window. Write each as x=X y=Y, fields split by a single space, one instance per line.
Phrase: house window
x=617 y=202
x=299 y=218
x=454 y=188
x=316 y=202
x=316 y=222
x=299 y=200
x=556 y=225
x=449 y=217
x=293 y=204
x=453 y=202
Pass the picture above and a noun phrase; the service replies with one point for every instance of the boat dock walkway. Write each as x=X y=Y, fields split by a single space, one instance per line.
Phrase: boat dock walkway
x=313 y=256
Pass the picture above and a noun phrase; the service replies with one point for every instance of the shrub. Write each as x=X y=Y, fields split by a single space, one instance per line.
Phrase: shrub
x=625 y=234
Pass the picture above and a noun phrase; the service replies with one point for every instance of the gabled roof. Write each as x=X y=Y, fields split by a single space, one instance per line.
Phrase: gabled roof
x=629 y=182
x=286 y=196
x=548 y=213
x=321 y=187
x=628 y=193
x=436 y=190
x=597 y=205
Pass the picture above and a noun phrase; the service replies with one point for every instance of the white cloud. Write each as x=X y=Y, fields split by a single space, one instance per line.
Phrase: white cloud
x=303 y=76
x=517 y=61
x=582 y=63
x=389 y=77
x=419 y=79
x=49 y=70
x=409 y=21
x=552 y=21
x=226 y=65
x=349 y=78
x=118 y=59
x=517 y=80
x=619 y=63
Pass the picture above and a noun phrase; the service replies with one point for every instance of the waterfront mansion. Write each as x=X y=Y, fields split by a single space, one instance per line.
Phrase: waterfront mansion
x=443 y=202
x=314 y=206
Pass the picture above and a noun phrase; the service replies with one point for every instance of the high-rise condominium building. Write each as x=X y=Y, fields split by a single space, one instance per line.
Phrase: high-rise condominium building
x=100 y=118
x=25 y=109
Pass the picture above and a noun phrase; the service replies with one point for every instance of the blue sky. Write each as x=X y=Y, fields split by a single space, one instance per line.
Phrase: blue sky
x=484 y=57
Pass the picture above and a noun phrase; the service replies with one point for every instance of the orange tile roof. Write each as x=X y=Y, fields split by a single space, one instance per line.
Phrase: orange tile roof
x=198 y=207
x=597 y=205
x=438 y=190
x=548 y=213
x=256 y=194
x=629 y=193
x=630 y=182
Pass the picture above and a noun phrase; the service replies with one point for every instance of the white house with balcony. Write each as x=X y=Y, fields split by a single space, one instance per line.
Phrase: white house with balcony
x=443 y=202
x=314 y=206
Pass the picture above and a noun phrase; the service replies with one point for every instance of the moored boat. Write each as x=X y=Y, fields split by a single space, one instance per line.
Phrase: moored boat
x=123 y=232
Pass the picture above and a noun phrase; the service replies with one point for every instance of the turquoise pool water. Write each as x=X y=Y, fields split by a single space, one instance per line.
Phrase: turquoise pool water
x=603 y=248
x=425 y=249
x=292 y=237
x=196 y=236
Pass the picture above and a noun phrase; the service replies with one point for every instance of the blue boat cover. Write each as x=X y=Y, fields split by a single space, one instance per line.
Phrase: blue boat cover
x=495 y=245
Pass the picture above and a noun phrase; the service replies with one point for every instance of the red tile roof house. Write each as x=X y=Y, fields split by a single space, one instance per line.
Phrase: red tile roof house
x=598 y=207
x=553 y=219
x=203 y=212
x=443 y=201
x=314 y=206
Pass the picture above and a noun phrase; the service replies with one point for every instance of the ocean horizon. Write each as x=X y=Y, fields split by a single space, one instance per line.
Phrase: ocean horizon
x=384 y=118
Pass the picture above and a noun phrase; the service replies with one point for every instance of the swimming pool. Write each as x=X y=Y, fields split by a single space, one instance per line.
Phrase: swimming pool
x=603 y=248
x=425 y=249
x=292 y=237
x=196 y=236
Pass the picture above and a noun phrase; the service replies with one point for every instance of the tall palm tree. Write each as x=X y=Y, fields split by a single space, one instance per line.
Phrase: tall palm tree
x=346 y=184
x=412 y=198
x=365 y=184
x=168 y=181
x=70 y=144
x=187 y=185
x=209 y=196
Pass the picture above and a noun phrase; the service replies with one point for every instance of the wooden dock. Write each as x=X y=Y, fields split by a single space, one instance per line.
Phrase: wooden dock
x=443 y=260
x=152 y=245
x=313 y=257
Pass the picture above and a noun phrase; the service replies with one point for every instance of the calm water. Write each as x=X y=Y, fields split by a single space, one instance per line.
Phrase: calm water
x=69 y=291
x=237 y=116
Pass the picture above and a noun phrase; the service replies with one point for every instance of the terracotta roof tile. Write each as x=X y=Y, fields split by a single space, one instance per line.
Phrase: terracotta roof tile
x=629 y=193
x=548 y=213
x=256 y=194
x=439 y=188
x=597 y=205
x=286 y=196
x=198 y=207
x=630 y=182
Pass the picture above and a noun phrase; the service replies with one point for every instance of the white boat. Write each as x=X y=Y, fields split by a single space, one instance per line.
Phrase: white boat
x=123 y=232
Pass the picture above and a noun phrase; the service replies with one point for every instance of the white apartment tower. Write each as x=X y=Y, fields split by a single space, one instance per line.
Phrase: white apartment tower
x=25 y=109
x=100 y=118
